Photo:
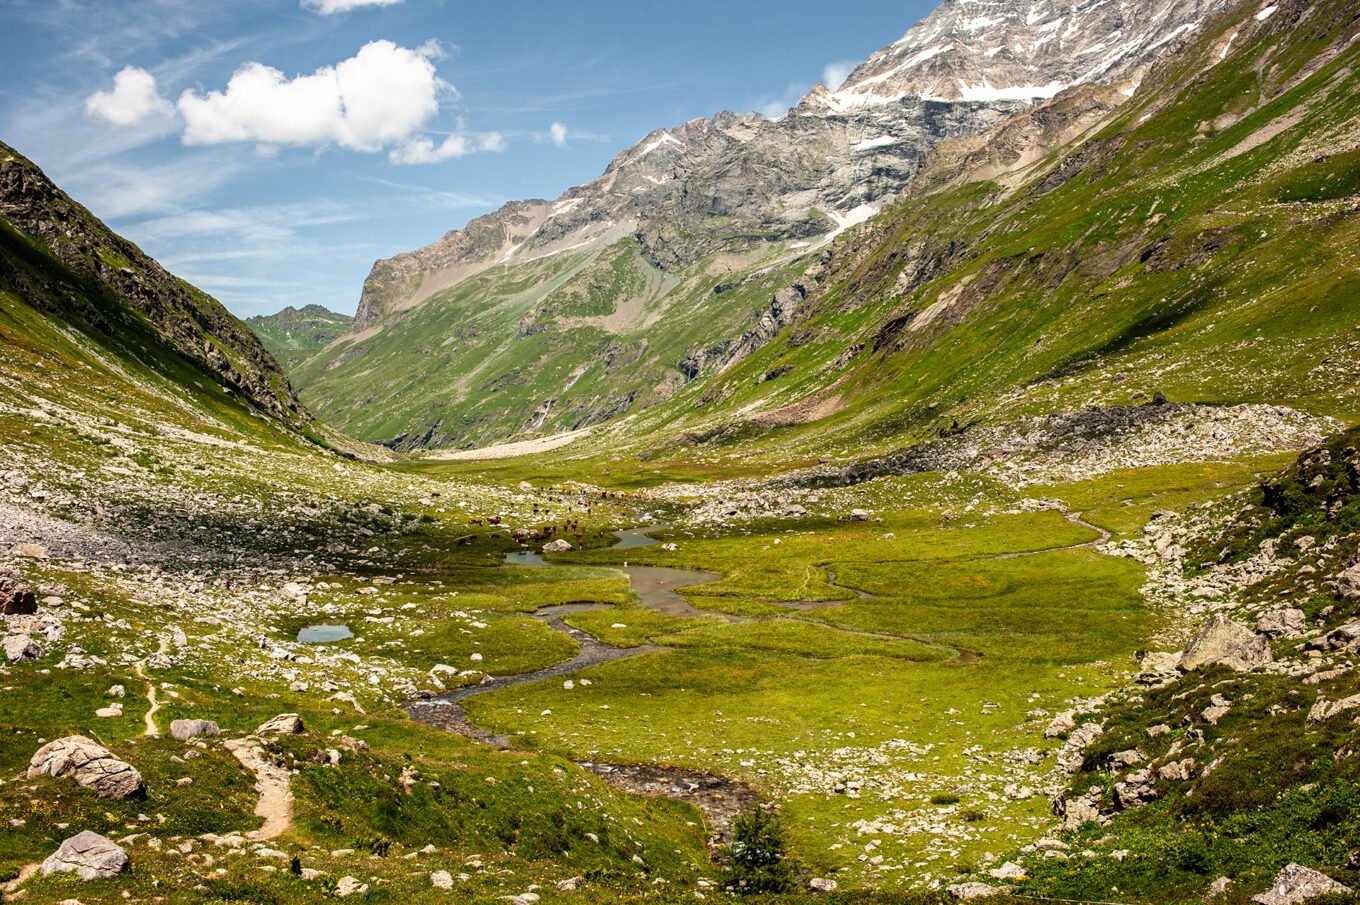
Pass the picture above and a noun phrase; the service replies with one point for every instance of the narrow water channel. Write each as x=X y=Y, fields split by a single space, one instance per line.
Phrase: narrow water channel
x=720 y=799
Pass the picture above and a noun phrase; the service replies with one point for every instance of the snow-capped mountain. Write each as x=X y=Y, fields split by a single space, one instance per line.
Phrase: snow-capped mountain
x=738 y=180
x=995 y=50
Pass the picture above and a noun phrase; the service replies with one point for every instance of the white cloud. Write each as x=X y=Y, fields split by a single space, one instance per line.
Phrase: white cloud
x=835 y=74
x=134 y=101
x=425 y=151
x=331 y=7
x=557 y=132
x=380 y=97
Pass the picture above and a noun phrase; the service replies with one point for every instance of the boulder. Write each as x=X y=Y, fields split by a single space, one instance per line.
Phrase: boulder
x=1008 y=871
x=558 y=546
x=1218 y=889
x=1347 y=584
x=183 y=730
x=1283 y=622
x=21 y=647
x=31 y=551
x=1159 y=667
x=1070 y=756
x=441 y=879
x=89 y=855
x=1062 y=724
x=966 y=891
x=1297 y=883
x=1224 y=641
x=350 y=886
x=88 y=763
x=823 y=884
x=283 y=724
x=17 y=597
x=571 y=885
x=859 y=515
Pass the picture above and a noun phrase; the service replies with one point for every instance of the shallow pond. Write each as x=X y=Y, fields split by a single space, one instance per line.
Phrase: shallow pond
x=324 y=633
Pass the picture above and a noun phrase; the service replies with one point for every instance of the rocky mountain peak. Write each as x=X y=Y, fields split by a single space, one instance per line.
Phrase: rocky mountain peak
x=992 y=50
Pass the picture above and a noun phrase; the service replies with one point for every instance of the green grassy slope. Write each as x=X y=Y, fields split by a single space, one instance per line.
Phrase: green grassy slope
x=1201 y=243
x=63 y=264
x=293 y=334
x=553 y=344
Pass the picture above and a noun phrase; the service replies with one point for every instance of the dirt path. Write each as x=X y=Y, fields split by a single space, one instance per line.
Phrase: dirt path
x=273 y=784
x=152 y=730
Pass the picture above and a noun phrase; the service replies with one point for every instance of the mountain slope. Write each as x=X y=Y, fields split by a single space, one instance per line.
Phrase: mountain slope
x=292 y=334
x=59 y=260
x=519 y=322
x=1198 y=240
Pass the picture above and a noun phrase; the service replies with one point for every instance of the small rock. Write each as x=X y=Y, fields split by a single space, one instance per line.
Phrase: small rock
x=441 y=879
x=571 y=885
x=966 y=891
x=350 y=886
x=89 y=855
x=1283 y=622
x=822 y=884
x=21 y=647
x=1217 y=889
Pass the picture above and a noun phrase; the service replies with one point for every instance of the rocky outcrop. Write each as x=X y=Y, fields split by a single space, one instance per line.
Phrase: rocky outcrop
x=89 y=856
x=1296 y=884
x=17 y=597
x=1227 y=642
x=88 y=763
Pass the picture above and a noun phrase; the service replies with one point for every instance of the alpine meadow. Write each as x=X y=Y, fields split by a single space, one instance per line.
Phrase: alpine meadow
x=943 y=488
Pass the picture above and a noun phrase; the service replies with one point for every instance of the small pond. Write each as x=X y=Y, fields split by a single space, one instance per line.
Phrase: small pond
x=324 y=633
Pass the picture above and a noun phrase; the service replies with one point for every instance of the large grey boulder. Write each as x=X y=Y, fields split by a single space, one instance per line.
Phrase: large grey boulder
x=20 y=647
x=558 y=546
x=1227 y=642
x=1297 y=883
x=183 y=730
x=89 y=855
x=17 y=597
x=88 y=763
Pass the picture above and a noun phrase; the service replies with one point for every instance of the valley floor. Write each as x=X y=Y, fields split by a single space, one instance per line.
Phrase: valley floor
x=878 y=662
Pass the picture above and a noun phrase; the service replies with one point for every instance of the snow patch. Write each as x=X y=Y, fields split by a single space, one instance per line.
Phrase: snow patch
x=985 y=92
x=882 y=141
x=666 y=138
x=1266 y=13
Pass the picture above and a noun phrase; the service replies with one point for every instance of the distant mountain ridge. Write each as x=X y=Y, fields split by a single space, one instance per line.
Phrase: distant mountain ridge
x=517 y=324
x=294 y=333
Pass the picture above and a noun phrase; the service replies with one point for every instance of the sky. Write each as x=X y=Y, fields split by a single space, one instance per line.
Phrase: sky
x=269 y=151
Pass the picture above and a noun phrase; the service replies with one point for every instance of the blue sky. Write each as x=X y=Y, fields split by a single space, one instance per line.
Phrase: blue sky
x=270 y=150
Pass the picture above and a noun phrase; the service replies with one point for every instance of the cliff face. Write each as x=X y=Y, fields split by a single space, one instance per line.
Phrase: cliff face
x=119 y=284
